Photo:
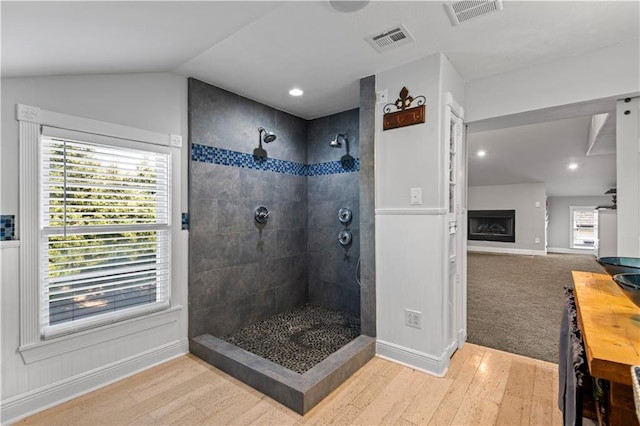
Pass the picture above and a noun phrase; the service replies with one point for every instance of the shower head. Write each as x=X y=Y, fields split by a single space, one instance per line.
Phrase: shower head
x=335 y=143
x=268 y=136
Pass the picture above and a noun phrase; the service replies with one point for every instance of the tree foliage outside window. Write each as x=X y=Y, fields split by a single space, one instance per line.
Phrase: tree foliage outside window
x=105 y=228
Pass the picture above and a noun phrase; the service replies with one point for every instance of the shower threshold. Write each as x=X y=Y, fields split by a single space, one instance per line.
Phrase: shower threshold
x=296 y=340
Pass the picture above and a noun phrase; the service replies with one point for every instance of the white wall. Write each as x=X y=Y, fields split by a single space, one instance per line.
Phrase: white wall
x=605 y=73
x=155 y=102
x=409 y=157
x=410 y=239
x=559 y=228
x=579 y=82
x=628 y=176
x=530 y=220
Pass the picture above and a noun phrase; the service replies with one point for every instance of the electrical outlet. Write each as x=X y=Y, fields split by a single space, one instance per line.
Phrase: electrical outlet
x=412 y=318
x=537 y=240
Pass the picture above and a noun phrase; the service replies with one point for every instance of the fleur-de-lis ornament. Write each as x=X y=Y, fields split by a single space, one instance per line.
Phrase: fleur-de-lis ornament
x=404 y=101
x=405 y=114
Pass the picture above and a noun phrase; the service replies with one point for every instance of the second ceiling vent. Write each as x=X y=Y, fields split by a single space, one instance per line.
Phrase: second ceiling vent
x=463 y=11
x=396 y=36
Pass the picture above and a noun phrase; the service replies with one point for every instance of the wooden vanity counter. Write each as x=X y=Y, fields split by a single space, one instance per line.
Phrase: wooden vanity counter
x=610 y=325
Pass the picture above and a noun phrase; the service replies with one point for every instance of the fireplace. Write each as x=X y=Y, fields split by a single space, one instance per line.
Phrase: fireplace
x=492 y=225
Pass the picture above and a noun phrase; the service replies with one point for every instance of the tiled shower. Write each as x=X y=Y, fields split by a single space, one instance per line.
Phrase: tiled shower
x=242 y=272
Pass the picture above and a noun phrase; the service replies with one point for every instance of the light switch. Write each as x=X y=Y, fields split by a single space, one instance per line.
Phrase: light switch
x=176 y=140
x=382 y=96
x=537 y=203
x=416 y=195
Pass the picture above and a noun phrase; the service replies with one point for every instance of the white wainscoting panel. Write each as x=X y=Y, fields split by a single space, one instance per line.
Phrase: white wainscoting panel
x=29 y=388
x=410 y=275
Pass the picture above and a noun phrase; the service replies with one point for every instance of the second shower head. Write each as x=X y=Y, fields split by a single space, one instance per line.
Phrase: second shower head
x=335 y=143
x=268 y=136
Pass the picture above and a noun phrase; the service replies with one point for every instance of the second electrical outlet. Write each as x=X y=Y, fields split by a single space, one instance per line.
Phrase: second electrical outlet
x=412 y=318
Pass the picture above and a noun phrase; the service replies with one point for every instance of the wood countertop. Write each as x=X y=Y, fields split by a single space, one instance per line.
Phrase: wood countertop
x=610 y=324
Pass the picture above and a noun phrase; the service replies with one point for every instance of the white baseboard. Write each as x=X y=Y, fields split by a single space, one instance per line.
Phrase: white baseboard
x=504 y=250
x=462 y=336
x=436 y=366
x=20 y=406
x=448 y=352
x=570 y=251
x=411 y=211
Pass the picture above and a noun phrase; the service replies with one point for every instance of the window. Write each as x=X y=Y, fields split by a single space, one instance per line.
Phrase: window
x=105 y=230
x=95 y=229
x=584 y=221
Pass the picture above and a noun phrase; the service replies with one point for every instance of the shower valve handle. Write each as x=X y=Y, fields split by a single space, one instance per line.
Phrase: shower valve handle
x=345 y=215
x=261 y=215
x=344 y=237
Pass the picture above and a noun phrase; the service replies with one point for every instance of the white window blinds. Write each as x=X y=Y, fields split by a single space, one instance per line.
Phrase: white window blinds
x=105 y=230
x=584 y=223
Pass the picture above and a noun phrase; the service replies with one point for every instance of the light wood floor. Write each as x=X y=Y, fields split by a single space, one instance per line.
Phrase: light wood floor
x=483 y=386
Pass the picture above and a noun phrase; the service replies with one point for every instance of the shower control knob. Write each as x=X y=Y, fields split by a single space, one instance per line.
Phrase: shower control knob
x=345 y=215
x=261 y=215
x=344 y=237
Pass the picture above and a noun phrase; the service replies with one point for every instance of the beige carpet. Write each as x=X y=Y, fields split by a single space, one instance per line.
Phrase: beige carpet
x=514 y=302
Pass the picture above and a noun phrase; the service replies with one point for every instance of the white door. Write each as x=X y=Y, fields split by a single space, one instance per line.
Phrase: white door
x=456 y=224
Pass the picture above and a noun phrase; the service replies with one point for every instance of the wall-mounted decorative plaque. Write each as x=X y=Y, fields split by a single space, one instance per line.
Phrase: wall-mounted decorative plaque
x=406 y=115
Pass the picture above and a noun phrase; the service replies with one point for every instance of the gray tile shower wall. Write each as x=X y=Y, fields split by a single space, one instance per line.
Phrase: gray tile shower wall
x=332 y=267
x=225 y=120
x=241 y=272
x=367 y=206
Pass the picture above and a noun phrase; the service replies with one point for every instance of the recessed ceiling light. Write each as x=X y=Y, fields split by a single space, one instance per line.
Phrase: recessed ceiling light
x=573 y=166
x=481 y=153
x=296 y=92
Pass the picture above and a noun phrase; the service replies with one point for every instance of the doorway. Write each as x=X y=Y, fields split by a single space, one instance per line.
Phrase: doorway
x=522 y=151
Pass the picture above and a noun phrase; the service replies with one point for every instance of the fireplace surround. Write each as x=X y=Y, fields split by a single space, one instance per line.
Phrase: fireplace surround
x=492 y=225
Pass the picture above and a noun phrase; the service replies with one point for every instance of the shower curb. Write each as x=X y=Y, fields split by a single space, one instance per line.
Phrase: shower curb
x=299 y=392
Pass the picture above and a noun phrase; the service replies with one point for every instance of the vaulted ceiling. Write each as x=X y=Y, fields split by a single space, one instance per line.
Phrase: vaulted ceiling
x=542 y=152
x=262 y=49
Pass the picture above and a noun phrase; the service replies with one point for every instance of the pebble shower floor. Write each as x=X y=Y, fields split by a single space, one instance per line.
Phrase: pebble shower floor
x=300 y=338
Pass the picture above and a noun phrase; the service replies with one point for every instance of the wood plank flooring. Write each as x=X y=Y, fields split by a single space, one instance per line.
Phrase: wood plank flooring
x=482 y=387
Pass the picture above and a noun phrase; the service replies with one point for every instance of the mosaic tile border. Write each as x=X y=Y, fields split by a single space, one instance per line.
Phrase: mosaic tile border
x=210 y=154
x=7 y=227
x=185 y=221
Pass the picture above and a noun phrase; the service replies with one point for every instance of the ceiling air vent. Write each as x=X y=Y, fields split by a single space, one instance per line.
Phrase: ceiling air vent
x=387 y=40
x=463 y=11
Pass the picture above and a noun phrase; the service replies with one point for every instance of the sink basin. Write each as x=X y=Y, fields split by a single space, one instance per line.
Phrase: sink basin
x=620 y=265
x=630 y=286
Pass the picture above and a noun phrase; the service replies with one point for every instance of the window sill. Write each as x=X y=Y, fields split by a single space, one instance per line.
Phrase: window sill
x=9 y=243
x=69 y=343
